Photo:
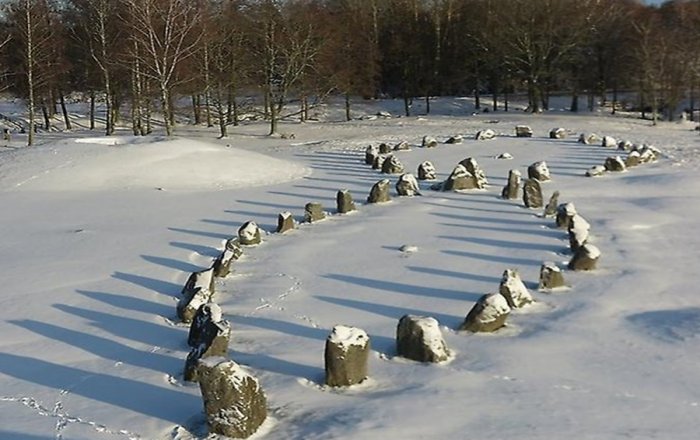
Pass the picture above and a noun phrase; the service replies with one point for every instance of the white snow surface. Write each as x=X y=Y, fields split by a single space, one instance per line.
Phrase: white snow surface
x=91 y=349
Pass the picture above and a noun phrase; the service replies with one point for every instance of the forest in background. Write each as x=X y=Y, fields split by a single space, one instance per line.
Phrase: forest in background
x=143 y=56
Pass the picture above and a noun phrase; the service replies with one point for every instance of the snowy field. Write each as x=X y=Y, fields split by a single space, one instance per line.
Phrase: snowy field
x=100 y=234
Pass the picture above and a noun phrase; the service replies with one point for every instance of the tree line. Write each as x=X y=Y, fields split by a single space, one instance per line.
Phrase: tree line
x=144 y=55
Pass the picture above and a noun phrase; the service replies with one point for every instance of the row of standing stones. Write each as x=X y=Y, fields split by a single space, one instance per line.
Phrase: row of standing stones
x=235 y=404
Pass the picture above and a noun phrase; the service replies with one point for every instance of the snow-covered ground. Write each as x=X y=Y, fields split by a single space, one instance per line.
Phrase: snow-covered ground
x=99 y=235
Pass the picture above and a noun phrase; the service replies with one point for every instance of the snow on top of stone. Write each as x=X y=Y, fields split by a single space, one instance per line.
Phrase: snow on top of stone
x=249 y=230
x=215 y=312
x=578 y=223
x=551 y=266
x=591 y=250
x=495 y=305
x=346 y=336
x=515 y=285
x=432 y=337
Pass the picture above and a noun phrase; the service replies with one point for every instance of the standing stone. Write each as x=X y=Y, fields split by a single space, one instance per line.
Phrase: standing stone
x=558 y=133
x=585 y=258
x=633 y=159
x=539 y=171
x=579 y=230
x=485 y=135
x=649 y=153
x=532 y=194
x=426 y=171
x=609 y=142
x=346 y=355
x=614 y=164
x=565 y=212
x=588 y=139
x=523 y=131
x=213 y=340
x=203 y=279
x=475 y=170
x=234 y=402
x=407 y=185
x=625 y=146
x=232 y=252
x=459 y=179
x=371 y=154
x=456 y=139
x=344 y=202
x=595 y=171
x=419 y=338
x=513 y=289
x=429 y=142
x=205 y=313
x=488 y=314
x=249 y=234
x=392 y=165
x=550 y=277
x=505 y=156
x=188 y=305
x=378 y=162
x=512 y=189
x=384 y=148
x=313 y=212
x=285 y=222
x=402 y=146
x=551 y=209
x=379 y=192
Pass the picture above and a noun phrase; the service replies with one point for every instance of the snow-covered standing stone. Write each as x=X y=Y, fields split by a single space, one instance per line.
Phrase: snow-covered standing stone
x=379 y=192
x=488 y=314
x=505 y=156
x=407 y=185
x=212 y=340
x=313 y=212
x=625 y=146
x=346 y=356
x=203 y=279
x=459 y=179
x=585 y=258
x=456 y=139
x=558 y=133
x=207 y=312
x=513 y=289
x=550 y=277
x=484 y=135
x=532 y=194
x=595 y=171
x=234 y=403
x=633 y=159
x=523 y=131
x=285 y=222
x=588 y=139
x=371 y=154
x=231 y=253
x=614 y=164
x=188 y=305
x=392 y=165
x=429 y=142
x=512 y=189
x=609 y=142
x=540 y=171
x=565 y=212
x=344 y=202
x=550 y=210
x=579 y=230
x=419 y=338
x=384 y=148
x=475 y=170
x=402 y=146
x=426 y=171
x=249 y=234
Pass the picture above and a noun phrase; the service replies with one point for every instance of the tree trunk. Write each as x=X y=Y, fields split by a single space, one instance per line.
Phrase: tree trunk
x=30 y=72
x=614 y=98
x=691 y=117
x=273 y=116
x=223 y=129
x=92 y=109
x=165 y=102
x=207 y=91
x=427 y=104
x=406 y=103
x=574 y=100
x=505 y=99
x=347 y=107
x=195 y=110
x=65 y=111
x=45 y=112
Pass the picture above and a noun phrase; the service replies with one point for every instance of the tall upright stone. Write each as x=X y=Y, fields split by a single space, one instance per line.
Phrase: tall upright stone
x=550 y=210
x=384 y=148
x=346 y=356
x=475 y=170
x=585 y=258
x=429 y=142
x=190 y=302
x=371 y=153
x=392 y=165
x=614 y=164
x=540 y=171
x=249 y=234
x=213 y=336
x=419 y=338
x=488 y=314
x=234 y=403
x=579 y=230
x=512 y=189
x=426 y=171
x=379 y=161
x=609 y=142
x=231 y=253
x=513 y=289
x=460 y=179
x=558 y=133
x=285 y=222
x=532 y=194
x=379 y=192
x=344 y=202
x=313 y=212
x=551 y=277
x=407 y=185
x=565 y=212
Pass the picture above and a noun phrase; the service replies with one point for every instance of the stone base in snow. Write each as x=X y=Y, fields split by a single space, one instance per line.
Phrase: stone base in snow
x=346 y=356
x=419 y=338
x=488 y=314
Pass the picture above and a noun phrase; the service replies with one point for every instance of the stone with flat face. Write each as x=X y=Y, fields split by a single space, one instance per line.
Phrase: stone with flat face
x=419 y=338
x=285 y=222
x=346 y=356
x=344 y=202
x=379 y=192
x=532 y=194
x=512 y=189
x=313 y=212
x=488 y=314
x=586 y=258
x=426 y=171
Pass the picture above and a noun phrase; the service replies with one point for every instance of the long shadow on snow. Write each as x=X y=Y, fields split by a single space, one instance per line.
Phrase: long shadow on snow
x=205 y=251
x=495 y=258
x=393 y=312
x=502 y=243
x=264 y=362
x=140 y=397
x=172 y=263
x=102 y=347
x=160 y=286
x=276 y=206
x=22 y=436
x=201 y=233
x=549 y=233
x=490 y=220
x=305 y=196
x=675 y=325
x=450 y=273
x=392 y=286
x=128 y=302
